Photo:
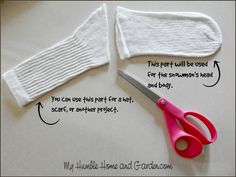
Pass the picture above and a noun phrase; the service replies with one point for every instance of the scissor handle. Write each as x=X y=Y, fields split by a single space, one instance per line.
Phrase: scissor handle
x=193 y=130
x=191 y=133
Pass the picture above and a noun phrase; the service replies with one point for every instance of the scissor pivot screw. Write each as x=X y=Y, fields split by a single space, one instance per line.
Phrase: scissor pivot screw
x=163 y=102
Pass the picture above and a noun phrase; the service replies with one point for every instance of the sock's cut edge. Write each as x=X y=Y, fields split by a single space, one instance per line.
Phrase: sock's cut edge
x=91 y=29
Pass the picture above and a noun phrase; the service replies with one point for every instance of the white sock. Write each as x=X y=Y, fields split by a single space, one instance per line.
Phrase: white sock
x=166 y=33
x=86 y=48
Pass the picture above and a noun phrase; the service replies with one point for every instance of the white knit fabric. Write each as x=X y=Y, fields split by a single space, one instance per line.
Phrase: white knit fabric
x=86 y=48
x=166 y=33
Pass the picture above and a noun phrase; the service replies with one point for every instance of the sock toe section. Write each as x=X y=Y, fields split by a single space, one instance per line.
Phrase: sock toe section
x=187 y=34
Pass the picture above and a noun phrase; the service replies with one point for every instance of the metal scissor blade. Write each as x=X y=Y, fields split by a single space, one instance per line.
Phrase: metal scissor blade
x=132 y=80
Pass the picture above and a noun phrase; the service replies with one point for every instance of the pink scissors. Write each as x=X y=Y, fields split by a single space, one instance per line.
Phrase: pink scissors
x=190 y=133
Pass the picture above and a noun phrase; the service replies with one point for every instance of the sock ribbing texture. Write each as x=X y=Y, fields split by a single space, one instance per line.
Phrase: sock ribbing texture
x=86 y=48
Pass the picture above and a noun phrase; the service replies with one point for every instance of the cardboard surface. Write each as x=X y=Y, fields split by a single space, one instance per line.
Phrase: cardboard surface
x=138 y=131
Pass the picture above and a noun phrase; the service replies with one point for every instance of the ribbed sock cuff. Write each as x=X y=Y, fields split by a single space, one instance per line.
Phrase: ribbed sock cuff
x=61 y=62
x=49 y=68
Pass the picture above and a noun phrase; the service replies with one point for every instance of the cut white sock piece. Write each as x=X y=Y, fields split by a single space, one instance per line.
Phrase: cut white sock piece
x=86 y=48
x=185 y=34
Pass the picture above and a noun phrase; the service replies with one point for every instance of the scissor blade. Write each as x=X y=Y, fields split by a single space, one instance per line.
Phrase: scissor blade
x=132 y=80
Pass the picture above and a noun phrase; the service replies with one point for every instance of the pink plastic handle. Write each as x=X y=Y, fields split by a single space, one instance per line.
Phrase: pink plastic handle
x=191 y=134
x=193 y=130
